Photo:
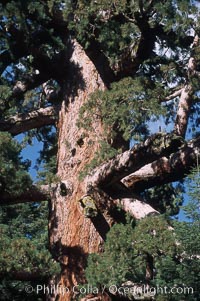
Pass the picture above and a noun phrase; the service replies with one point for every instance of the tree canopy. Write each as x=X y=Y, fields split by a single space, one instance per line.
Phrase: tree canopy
x=111 y=88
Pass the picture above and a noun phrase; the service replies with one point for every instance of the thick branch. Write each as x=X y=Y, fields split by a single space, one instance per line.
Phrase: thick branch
x=101 y=62
x=173 y=95
x=130 y=62
x=185 y=101
x=25 y=122
x=156 y=146
x=29 y=83
x=136 y=208
x=165 y=170
x=183 y=111
x=33 y=194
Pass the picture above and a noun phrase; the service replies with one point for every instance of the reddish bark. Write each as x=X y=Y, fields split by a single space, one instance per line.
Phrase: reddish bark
x=24 y=122
x=72 y=235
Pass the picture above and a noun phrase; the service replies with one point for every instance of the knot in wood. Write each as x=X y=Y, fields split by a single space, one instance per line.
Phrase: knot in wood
x=66 y=188
x=89 y=206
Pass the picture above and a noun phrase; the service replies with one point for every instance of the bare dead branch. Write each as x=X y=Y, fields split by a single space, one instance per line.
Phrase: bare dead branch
x=173 y=95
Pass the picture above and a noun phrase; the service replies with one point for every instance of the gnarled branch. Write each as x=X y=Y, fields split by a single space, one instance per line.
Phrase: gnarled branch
x=185 y=101
x=155 y=147
x=136 y=207
x=183 y=111
x=173 y=95
x=165 y=170
x=24 y=122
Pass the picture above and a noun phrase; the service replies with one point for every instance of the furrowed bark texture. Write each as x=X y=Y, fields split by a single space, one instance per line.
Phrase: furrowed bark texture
x=72 y=235
x=137 y=208
x=185 y=102
x=153 y=148
x=160 y=158
x=165 y=169
x=24 y=122
x=183 y=111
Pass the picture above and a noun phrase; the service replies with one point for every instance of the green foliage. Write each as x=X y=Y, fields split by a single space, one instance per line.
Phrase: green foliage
x=117 y=28
x=175 y=252
x=48 y=173
x=191 y=242
x=165 y=198
x=192 y=210
x=188 y=233
x=112 y=35
x=5 y=93
x=26 y=16
x=23 y=228
x=46 y=163
x=124 y=258
x=15 y=291
x=14 y=178
x=24 y=247
x=107 y=23
x=116 y=263
x=105 y=153
x=125 y=108
x=26 y=30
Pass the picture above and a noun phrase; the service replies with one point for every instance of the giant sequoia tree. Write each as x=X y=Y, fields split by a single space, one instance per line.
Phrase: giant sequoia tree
x=102 y=73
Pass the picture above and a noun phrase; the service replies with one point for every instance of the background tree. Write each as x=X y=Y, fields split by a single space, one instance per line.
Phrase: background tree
x=24 y=254
x=102 y=72
x=188 y=235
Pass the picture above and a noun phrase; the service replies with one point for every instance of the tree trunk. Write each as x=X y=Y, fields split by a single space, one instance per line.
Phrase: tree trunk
x=72 y=235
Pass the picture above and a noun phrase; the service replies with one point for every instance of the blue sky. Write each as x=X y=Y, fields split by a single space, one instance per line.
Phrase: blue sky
x=31 y=152
x=154 y=128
